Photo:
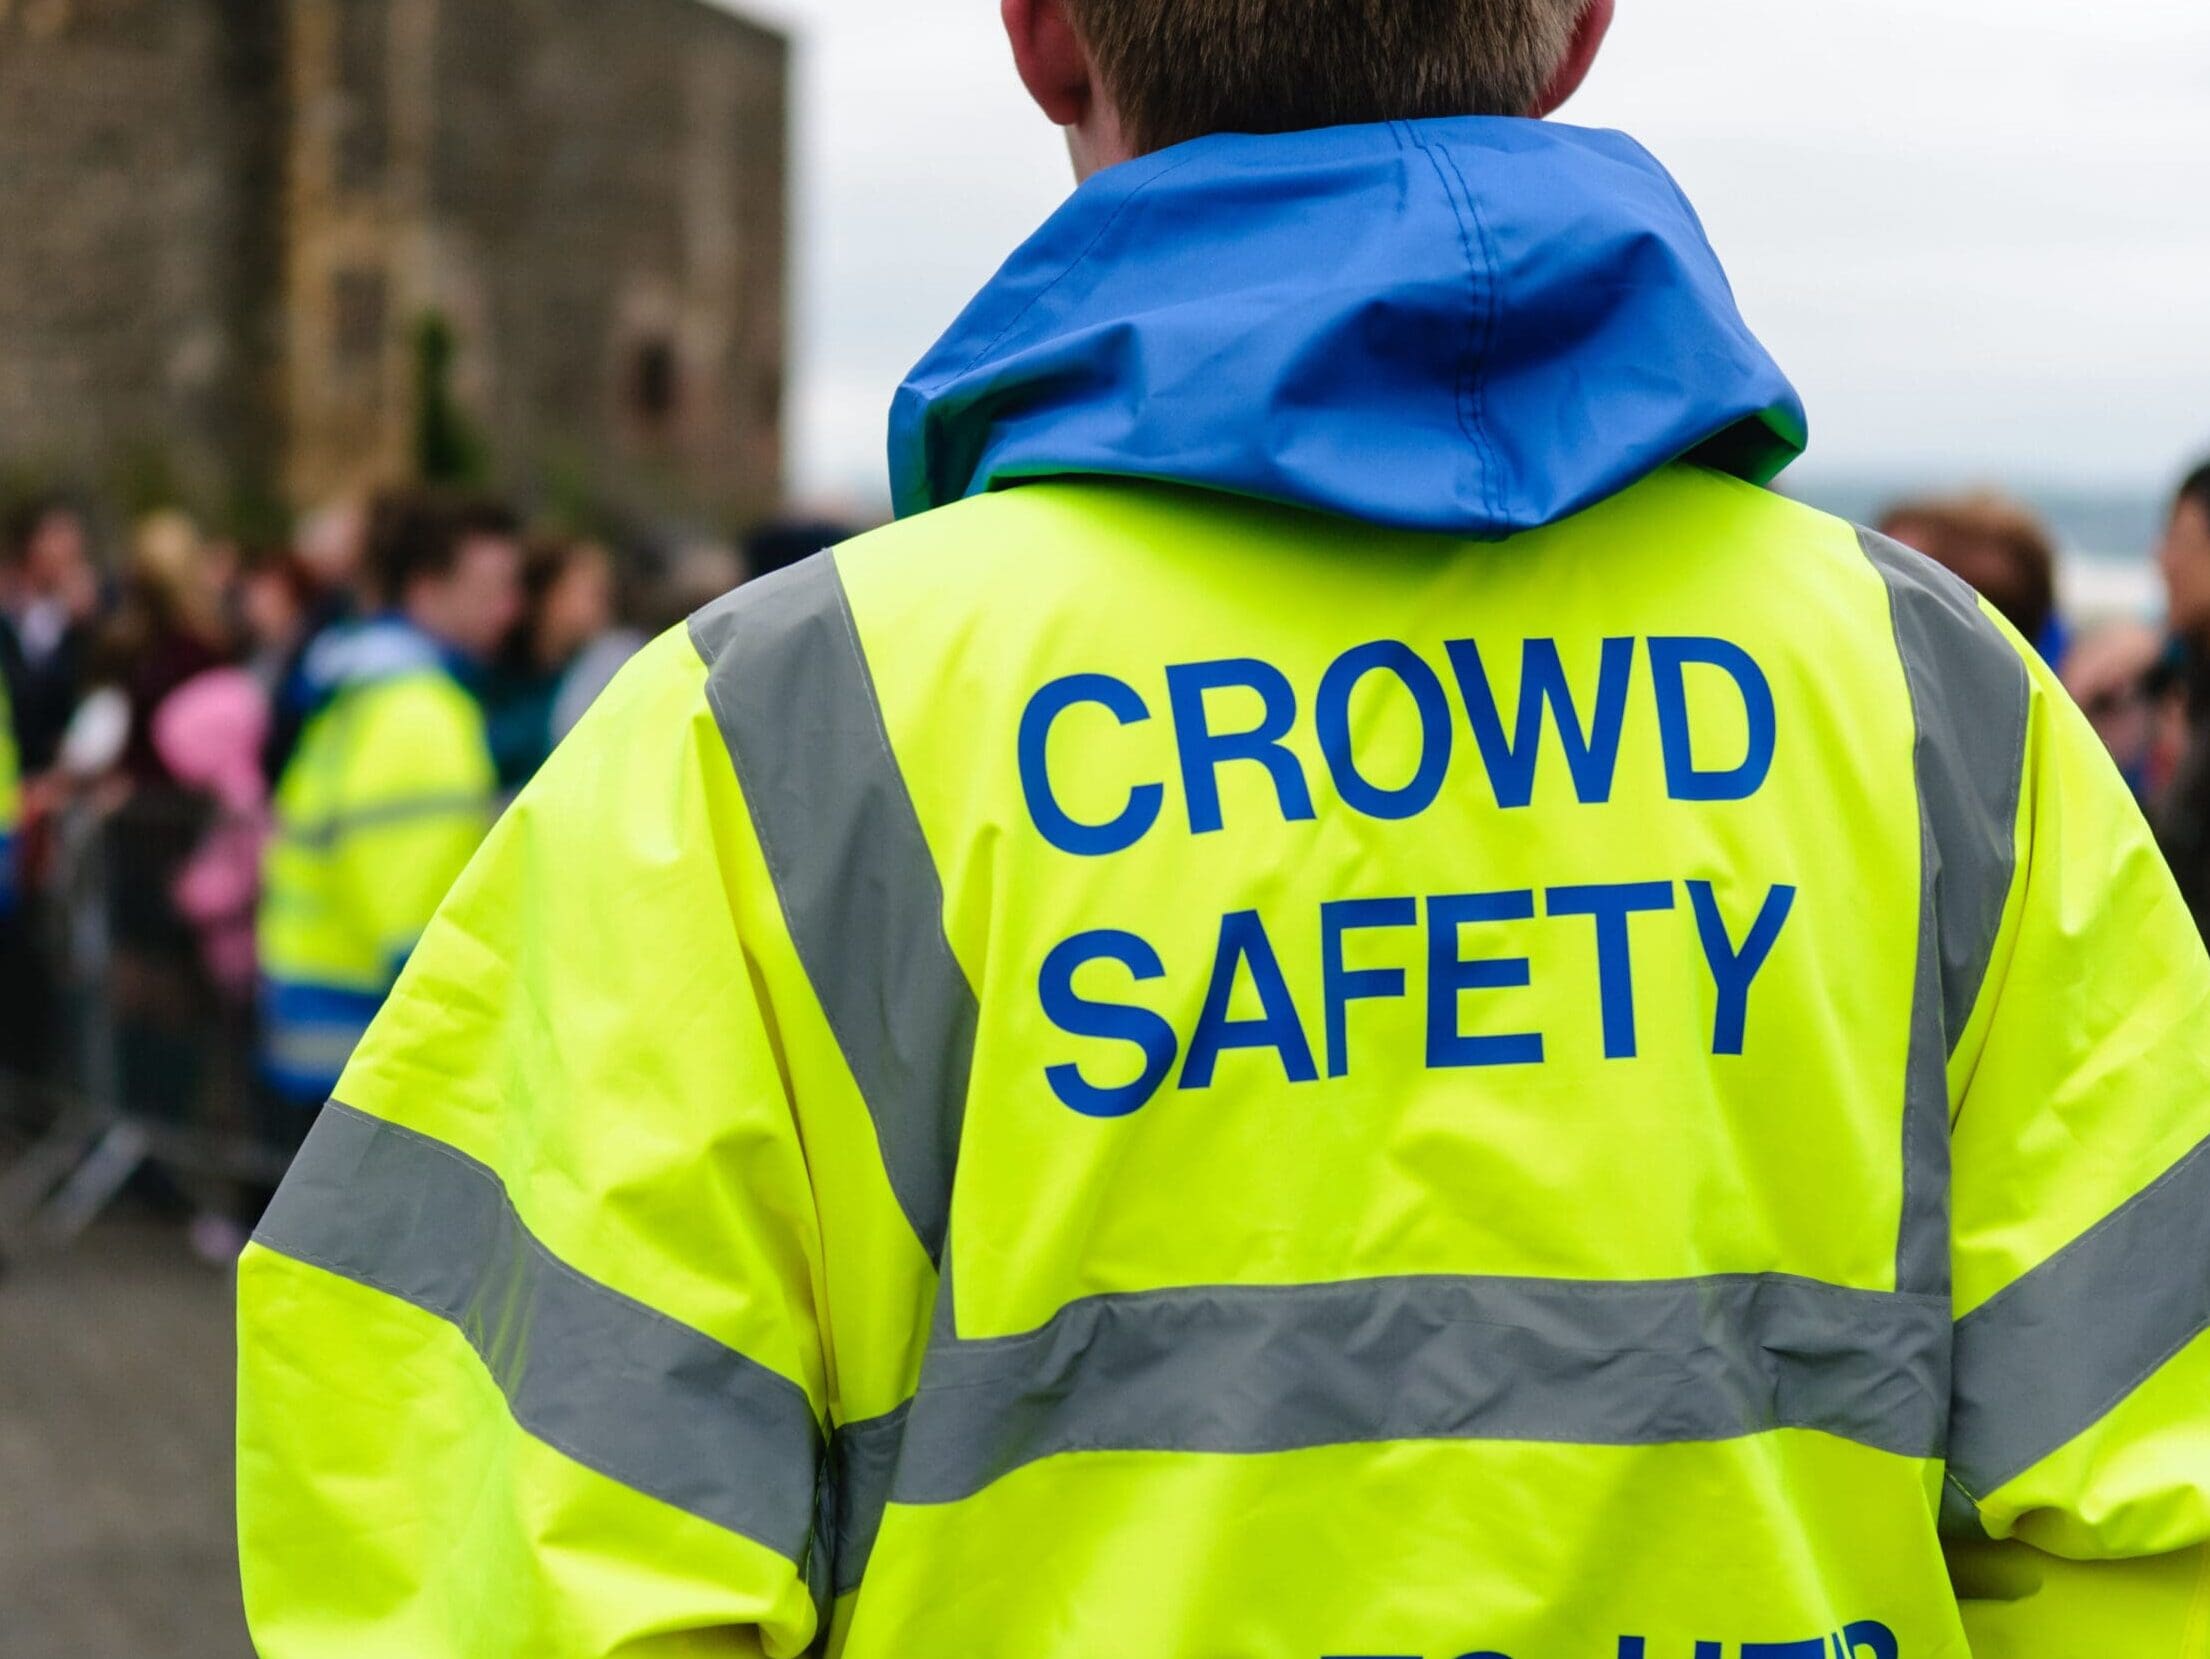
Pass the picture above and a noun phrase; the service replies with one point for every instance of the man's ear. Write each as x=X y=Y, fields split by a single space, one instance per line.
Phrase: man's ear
x=1588 y=40
x=1052 y=64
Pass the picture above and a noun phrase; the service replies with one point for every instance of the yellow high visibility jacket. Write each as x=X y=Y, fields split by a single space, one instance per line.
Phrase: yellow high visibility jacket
x=1120 y=1070
x=1509 y=1225
x=387 y=796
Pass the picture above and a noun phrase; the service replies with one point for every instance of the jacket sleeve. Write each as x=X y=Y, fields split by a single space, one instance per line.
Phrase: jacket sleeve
x=2078 y=1487
x=531 y=1351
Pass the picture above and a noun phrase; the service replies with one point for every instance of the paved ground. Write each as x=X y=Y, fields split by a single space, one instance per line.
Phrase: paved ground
x=115 y=1488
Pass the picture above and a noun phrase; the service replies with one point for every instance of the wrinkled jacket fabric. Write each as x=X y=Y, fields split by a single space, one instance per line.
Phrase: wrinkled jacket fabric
x=1350 y=999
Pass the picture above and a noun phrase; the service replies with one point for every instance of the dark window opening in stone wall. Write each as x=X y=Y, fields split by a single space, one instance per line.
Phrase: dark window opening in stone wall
x=364 y=93
x=359 y=318
x=655 y=386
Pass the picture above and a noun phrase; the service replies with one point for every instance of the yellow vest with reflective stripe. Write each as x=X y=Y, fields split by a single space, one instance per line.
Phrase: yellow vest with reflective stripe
x=1115 y=1072
x=388 y=795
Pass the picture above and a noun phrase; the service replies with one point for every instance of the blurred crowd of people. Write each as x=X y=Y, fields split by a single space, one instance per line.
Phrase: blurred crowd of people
x=263 y=768
x=2145 y=685
x=284 y=757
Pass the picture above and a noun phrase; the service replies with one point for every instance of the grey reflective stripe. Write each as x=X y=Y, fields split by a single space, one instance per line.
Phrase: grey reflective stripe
x=613 y=1384
x=326 y=832
x=1247 y=1369
x=790 y=686
x=863 y=1460
x=1922 y=1232
x=1971 y=694
x=2048 y=1357
x=1970 y=699
x=865 y=1455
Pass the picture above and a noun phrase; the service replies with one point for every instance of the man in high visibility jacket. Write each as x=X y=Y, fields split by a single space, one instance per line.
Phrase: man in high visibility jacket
x=1350 y=999
x=391 y=788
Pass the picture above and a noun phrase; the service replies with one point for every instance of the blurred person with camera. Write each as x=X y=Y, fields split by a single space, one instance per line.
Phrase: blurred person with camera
x=391 y=784
x=1350 y=998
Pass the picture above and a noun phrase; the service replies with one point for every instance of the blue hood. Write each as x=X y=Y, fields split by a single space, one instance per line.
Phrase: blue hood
x=1469 y=326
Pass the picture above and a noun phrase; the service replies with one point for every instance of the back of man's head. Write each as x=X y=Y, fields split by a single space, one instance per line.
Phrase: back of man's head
x=417 y=535
x=1182 y=69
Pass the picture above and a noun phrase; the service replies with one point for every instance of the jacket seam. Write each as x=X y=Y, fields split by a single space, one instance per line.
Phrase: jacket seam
x=1963 y=1490
x=1466 y=397
x=874 y=700
x=2010 y=807
x=1492 y=324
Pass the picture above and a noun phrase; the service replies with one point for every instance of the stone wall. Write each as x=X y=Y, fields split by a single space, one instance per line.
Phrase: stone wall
x=220 y=221
x=140 y=147
x=360 y=82
x=606 y=196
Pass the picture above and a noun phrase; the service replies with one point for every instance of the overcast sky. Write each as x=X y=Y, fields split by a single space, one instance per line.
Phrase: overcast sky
x=1976 y=232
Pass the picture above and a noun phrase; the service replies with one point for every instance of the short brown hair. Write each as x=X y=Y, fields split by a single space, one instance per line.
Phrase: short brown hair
x=1180 y=69
x=2000 y=546
x=417 y=533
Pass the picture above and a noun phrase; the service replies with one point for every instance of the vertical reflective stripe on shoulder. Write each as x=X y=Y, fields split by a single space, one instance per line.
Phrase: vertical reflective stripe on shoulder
x=1970 y=699
x=616 y=1385
x=790 y=686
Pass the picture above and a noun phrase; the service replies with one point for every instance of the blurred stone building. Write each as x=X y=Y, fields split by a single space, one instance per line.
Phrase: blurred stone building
x=229 y=228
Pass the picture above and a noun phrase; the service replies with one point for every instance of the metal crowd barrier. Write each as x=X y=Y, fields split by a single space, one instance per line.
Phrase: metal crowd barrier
x=148 y=1072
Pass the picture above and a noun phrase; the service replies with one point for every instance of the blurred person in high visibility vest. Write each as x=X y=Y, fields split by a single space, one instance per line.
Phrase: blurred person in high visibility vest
x=1351 y=998
x=391 y=786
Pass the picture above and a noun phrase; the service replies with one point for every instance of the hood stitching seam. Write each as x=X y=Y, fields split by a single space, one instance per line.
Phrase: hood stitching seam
x=1491 y=326
x=1471 y=353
